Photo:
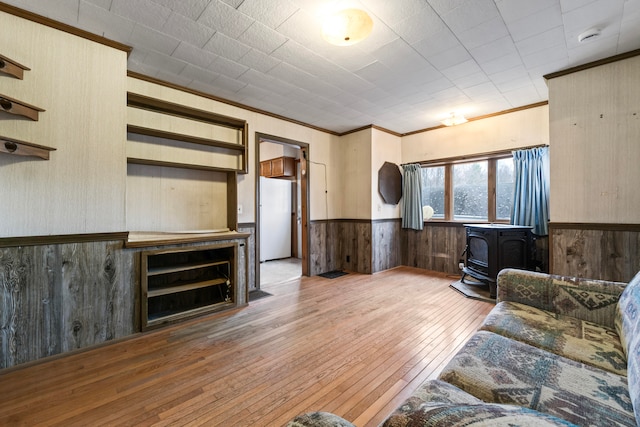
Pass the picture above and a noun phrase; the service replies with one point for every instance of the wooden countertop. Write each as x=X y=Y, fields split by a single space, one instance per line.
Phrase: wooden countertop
x=139 y=239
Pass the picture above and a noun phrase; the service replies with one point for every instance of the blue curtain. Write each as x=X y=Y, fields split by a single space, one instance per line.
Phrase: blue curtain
x=531 y=189
x=412 y=197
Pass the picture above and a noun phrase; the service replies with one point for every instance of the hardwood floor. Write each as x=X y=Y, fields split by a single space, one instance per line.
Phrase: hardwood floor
x=357 y=346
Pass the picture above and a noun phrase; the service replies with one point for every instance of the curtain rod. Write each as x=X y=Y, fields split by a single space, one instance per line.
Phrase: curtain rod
x=478 y=156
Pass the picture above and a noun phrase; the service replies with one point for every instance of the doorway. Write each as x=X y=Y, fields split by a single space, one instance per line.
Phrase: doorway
x=282 y=214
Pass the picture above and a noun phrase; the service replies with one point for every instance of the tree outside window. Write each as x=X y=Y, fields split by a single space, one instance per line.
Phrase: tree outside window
x=470 y=201
x=471 y=191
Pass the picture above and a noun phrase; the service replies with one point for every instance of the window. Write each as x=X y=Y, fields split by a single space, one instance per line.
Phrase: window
x=433 y=189
x=504 y=188
x=470 y=202
x=478 y=190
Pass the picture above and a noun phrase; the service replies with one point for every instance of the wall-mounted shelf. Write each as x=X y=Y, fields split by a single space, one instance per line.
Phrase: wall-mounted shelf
x=196 y=116
x=22 y=148
x=12 y=68
x=186 y=138
x=20 y=108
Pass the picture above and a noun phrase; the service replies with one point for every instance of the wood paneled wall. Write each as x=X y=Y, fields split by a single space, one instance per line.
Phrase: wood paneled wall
x=82 y=86
x=60 y=297
x=595 y=251
x=363 y=246
x=595 y=133
x=437 y=247
x=250 y=227
x=386 y=251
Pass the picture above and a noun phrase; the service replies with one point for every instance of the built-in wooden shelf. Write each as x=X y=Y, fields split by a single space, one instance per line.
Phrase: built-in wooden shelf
x=178 y=165
x=20 y=108
x=185 y=138
x=181 y=283
x=12 y=68
x=22 y=148
x=185 y=288
x=180 y=111
x=184 y=267
x=140 y=239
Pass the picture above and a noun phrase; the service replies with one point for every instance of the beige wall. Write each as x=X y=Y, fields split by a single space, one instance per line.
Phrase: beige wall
x=503 y=132
x=595 y=129
x=354 y=175
x=321 y=146
x=82 y=86
x=384 y=148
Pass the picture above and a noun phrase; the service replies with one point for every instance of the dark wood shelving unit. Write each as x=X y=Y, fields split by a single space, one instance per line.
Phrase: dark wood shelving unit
x=182 y=283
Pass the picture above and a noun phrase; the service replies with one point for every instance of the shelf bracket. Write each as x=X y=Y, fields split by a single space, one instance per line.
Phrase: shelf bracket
x=20 y=108
x=12 y=68
x=22 y=148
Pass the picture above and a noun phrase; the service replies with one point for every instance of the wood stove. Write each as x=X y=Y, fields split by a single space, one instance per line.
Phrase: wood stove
x=492 y=247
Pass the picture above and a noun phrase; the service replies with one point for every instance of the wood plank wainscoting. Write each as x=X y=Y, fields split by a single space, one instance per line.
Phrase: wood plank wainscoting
x=362 y=246
x=438 y=246
x=600 y=251
x=250 y=228
x=64 y=293
x=60 y=293
x=357 y=346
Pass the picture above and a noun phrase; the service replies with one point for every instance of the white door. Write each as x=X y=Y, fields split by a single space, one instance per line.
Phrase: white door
x=275 y=219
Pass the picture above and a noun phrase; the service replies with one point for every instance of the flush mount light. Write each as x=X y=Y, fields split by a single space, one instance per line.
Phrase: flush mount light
x=589 y=35
x=347 y=27
x=454 y=119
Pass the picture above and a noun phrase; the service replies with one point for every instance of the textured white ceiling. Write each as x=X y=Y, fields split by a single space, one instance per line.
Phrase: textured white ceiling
x=424 y=59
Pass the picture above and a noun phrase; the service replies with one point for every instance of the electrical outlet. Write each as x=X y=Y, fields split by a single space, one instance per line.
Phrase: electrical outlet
x=461 y=265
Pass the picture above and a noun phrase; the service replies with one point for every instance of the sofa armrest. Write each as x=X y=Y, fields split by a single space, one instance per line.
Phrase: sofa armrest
x=586 y=299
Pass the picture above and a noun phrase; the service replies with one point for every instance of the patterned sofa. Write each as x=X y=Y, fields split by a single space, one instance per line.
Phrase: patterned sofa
x=555 y=351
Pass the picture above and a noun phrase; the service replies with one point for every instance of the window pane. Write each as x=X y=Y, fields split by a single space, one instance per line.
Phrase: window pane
x=433 y=189
x=504 y=188
x=470 y=198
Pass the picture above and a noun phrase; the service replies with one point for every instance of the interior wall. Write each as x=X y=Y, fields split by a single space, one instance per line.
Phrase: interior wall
x=321 y=146
x=171 y=199
x=82 y=86
x=385 y=147
x=355 y=171
x=595 y=129
x=514 y=130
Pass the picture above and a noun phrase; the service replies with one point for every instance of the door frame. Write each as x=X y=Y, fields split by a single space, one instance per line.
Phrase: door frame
x=304 y=196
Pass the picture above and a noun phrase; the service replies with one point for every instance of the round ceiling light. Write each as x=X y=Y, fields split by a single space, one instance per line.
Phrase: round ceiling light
x=347 y=27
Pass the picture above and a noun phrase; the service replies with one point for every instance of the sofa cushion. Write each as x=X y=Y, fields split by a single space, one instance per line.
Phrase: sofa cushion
x=319 y=419
x=436 y=403
x=628 y=327
x=567 y=336
x=501 y=370
x=484 y=415
x=627 y=319
x=587 y=299
x=436 y=391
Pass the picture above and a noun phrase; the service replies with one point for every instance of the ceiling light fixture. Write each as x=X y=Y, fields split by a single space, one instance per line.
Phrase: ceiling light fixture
x=347 y=27
x=455 y=119
x=590 y=34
